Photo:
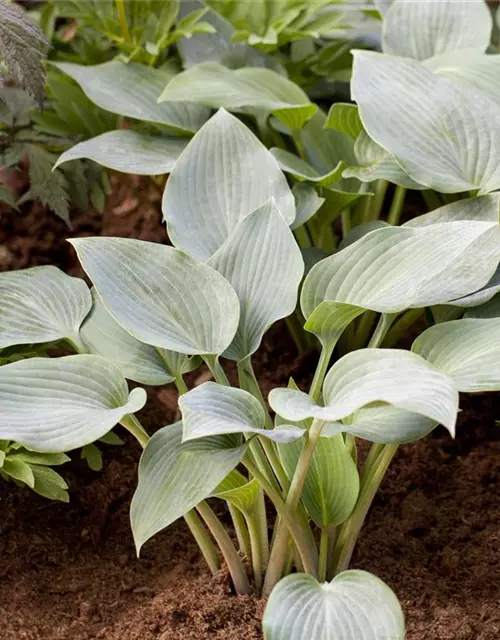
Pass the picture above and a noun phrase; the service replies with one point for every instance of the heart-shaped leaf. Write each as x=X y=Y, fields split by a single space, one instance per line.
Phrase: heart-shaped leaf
x=41 y=304
x=429 y=143
x=224 y=174
x=63 y=403
x=175 y=476
x=129 y=151
x=467 y=350
x=160 y=295
x=355 y=605
x=421 y=30
x=263 y=263
x=365 y=376
x=132 y=90
x=212 y=409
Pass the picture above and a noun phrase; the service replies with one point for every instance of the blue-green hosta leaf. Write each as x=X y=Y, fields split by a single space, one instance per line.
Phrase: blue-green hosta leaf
x=132 y=90
x=422 y=30
x=355 y=605
x=215 y=85
x=467 y=350
x=470 y=66
x=41 y=304
x=129 y=151
x=375 y=163
x=212 y=409
x=301 y=170
x=224 y=174
x=344 y=117
x=63 y=403
x=307 y=203
x=396 y=268
x=263 y=263
x=137 y=361
x=448 y=143
x=160 y=295
x=332 y=484
x=174 y=476
x=393 y=376
x=490 y=309
x=480 y=209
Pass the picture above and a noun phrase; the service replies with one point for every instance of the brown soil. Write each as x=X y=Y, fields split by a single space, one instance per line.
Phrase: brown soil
x=69 y=572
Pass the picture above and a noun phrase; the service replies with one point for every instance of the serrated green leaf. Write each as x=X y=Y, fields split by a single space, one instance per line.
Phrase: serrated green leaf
x=41 y=304
x=224 y=174
x=61 y=404
x=7 y=197
x=161 y=295
x=175 y=476
x=354 y=606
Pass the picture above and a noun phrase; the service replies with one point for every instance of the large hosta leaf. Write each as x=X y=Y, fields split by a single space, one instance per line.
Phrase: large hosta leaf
x=60 y=404
x=421 y=30
x=467 y=350
x=138 y=361
x=132 y=90
x=224 y=174
x=263 y=263
x=393 y=268
x=41 y=304
x=212 y=409
x=175 y=476
x=129 y=151
x=448 y=143
x=355 y=605
x=160 y=295
x=217 y=86
x=365 y=376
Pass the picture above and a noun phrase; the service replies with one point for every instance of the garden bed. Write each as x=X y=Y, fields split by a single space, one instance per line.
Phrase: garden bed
x=69 y=572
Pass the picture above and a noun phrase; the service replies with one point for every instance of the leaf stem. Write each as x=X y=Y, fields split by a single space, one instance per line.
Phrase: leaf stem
x=212 y=362
x=297 y=333
x=378 y=199
x=122 y=16
x=399 y=328
x=383 y=326
x=321 y=369
x=133 y=426
x=203 y=540
x=181 y=385
x=323 y=555
x=396 y=209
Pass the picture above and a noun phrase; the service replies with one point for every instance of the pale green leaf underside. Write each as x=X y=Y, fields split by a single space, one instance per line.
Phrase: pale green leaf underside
x=160 y=295
x=175 y=476
x=396 y=268
x=356 y=605
x=132 y=90
x=307 y=203
x=451 y=143
x=224 y=174
x=129 y=151
x=365 y=376
x=137 y=361
x=421 y=30
x=329 y=320
x=212 y=409
x=467 y=350
x=244 y=495
x=41 y=304
x=263 y=263
x=290 y=163
x=63 y=403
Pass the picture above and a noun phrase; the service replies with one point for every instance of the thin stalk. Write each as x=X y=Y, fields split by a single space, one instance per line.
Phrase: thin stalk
x=278 y=553
x=216 y=369
x=321 y=369
x=323 y=555
x=364 y=328
x=122 y=16
x=345 y=218
x=181 y=385
x=383 y=326
x=332 y=537
x=397 y=206
x=203 y=540
x=257 y=551
x=133 y=426
x=241 y=530
x=299 y=144
x=349 y=531
x=233 y=561
x=381 y=187
x=401 y=326
x=303 y=238
x=431 y=199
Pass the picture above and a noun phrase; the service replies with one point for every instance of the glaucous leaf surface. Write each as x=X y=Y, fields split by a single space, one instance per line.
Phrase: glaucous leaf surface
x=301 y=170
x=41 y=304
x=396 y=268
x=479 y=209
x=132 y=90
x=129 y=151
x=214 y=85
x=328 y=321
x=490 y=309
x=137 y=361
x=355 y=605
x=421 y=30
x=224 y=174
x=161 y=295
x=262 y=261
x=467 y=350
x=451 y=143
x=307 y=203
x=361 y=377
x=212 y=409
x=59 y=404
x=174 y=476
